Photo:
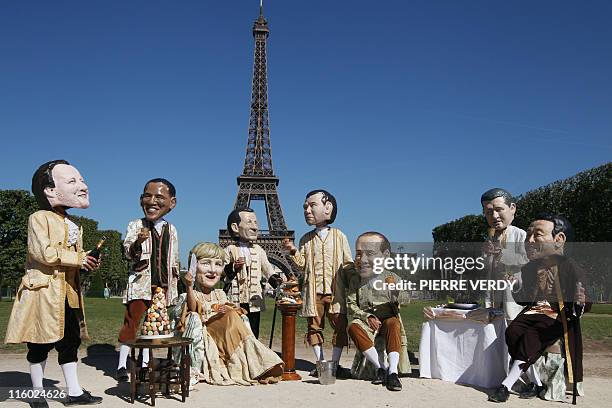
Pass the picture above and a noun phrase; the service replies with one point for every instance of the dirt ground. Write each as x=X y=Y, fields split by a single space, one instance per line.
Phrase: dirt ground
x=97 y=370
x=597 y=360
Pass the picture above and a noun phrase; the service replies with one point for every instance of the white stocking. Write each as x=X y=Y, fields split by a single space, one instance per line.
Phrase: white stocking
x=318 y=350
x=513 y=375
x=145 y=357
x=72 y=380
x=372 y=356
x=37 y=373
x=124 y=352
x=393 y=362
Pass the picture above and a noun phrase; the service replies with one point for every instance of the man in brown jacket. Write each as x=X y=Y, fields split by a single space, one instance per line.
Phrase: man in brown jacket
x=48 y=309
x=325 y=257
x=554 y=300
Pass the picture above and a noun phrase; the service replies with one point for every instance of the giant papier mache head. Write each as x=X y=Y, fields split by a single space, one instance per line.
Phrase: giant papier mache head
x=57 y=185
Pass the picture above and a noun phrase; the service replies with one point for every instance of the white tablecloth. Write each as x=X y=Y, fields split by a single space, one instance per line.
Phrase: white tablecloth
x=464 y=352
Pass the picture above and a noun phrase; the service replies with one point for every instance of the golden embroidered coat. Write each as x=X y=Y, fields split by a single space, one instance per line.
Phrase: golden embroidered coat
x=38 y=311
x=327 y=264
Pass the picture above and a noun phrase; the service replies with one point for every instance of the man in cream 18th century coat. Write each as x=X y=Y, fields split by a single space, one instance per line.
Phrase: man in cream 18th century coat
x=151 y=245
x=375 y=325
x=48 y=311
x=505 y=248
x=248 y=264
x=325 y=257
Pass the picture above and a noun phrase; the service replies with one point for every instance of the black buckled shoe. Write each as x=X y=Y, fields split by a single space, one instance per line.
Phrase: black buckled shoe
x=314 y=373
x=122 y=375
x=501 y=394
x=343 y=373
x=393 y=382
x=532 y=391
x=39 y=403
x=381 y=377
x=84 y=399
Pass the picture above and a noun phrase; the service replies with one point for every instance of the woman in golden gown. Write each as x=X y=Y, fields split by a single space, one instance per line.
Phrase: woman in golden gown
x=224 y=350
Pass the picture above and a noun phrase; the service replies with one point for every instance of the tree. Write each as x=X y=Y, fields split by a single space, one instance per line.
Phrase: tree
x=114 y=265
x=471 y=228
x=15 y=208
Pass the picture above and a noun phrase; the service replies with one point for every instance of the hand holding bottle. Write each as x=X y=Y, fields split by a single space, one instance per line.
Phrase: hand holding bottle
x=90 y=264
x=92 y=260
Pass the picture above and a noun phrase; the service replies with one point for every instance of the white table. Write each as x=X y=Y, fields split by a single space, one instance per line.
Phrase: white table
x=464 y=352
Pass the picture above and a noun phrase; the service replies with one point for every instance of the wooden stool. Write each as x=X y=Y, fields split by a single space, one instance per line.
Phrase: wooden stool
x=160 y=374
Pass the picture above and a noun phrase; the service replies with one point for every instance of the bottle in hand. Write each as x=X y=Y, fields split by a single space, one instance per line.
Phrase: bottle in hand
x=95 y=253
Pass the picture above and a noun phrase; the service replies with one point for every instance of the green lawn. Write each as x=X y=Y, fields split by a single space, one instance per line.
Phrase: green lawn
x=104 y=318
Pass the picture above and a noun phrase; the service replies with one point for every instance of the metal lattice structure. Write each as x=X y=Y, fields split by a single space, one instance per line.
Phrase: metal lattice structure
x=257 y=181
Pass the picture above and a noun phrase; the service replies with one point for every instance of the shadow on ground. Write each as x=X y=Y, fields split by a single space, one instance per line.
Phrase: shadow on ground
x=103 y=357
x=304 y=365
x=18 y=379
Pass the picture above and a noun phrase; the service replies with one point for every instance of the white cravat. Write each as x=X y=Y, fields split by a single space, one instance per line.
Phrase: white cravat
x=73 y=232
x=322 y=232
x=245 y=250
x=159 y=225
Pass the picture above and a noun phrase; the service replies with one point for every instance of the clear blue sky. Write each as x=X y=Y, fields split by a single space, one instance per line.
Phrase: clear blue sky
x=406 y=110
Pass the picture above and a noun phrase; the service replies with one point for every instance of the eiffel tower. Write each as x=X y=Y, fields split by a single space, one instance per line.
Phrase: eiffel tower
x=257 y=181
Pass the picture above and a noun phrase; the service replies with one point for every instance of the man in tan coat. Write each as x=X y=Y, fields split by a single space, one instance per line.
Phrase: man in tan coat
x=325 y=257
x=48 y=310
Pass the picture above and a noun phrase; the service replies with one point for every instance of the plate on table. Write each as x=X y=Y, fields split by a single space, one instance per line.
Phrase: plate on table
x=462 y=306
x=156 y=336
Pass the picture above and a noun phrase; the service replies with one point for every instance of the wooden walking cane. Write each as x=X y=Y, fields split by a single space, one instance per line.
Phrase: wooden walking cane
x=568 y=356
